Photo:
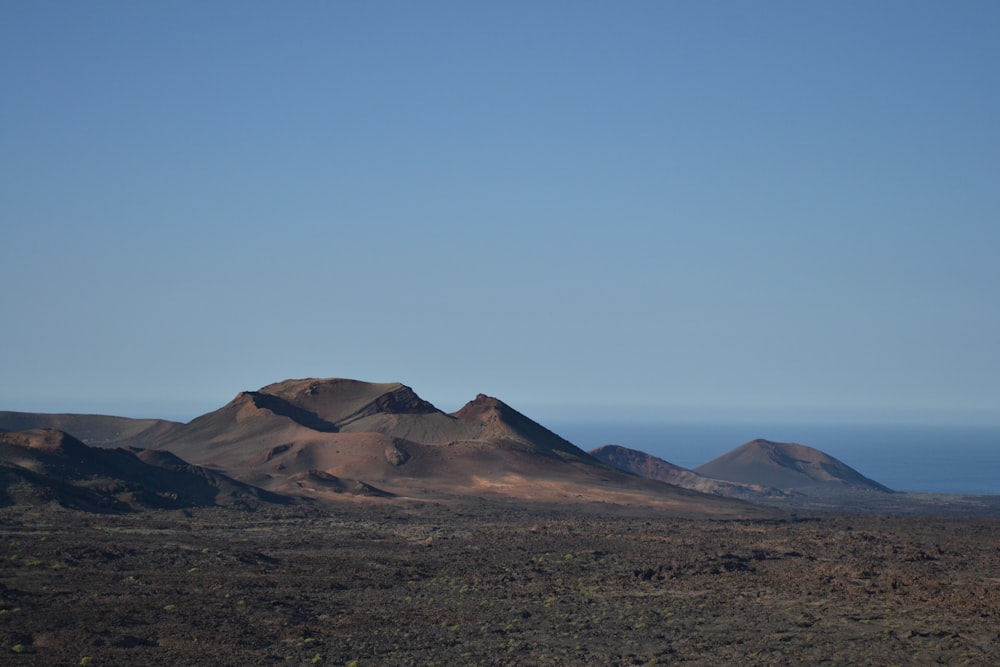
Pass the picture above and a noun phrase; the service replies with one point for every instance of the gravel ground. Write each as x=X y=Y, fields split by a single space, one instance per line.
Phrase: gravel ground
x=476 y=583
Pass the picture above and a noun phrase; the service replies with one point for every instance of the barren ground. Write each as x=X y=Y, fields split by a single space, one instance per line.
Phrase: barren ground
x=382 y=583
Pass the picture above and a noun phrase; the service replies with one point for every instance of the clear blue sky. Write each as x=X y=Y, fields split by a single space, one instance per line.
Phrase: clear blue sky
x=682 y=209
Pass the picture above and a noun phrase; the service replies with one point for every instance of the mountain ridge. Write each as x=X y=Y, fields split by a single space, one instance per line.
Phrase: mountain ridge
x=386 y=436
x=324 y=437
x=92 y=429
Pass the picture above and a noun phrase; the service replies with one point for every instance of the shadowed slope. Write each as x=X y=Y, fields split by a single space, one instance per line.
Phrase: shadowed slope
x=652 y=467
x=225 y=437
x=788 y=466
x=46 y=465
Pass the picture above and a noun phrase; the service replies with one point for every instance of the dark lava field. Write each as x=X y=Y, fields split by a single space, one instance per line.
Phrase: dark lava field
x=476 y=583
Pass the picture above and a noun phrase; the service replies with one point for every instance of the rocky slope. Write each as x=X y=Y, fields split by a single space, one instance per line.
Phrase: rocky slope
x=48 y=466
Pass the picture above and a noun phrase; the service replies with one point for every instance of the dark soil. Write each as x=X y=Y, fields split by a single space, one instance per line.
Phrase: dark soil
x=382 y=583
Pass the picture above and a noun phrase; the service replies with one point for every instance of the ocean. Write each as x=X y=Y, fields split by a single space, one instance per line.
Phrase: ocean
x=939 y=458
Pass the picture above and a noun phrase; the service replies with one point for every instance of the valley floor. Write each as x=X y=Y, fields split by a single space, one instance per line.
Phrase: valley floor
x=381 y=583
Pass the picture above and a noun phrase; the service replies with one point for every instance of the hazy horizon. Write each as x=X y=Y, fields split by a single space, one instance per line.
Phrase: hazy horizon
x=780 y=207
x=547 y=414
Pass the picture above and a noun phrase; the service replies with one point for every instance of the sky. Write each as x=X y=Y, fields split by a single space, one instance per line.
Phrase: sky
x=670 y=210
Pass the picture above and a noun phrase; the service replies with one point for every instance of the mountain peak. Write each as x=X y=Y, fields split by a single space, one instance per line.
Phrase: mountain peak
x=481 y=406
x=340 y=400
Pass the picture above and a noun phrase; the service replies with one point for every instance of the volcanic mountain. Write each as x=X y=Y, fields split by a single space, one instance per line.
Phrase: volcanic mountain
x=647 y=465
x=790 y=467
x=297 y=436
x=45 y=465
x=93 y=430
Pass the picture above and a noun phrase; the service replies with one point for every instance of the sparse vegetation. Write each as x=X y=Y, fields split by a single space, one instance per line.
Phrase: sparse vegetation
x=359 y=586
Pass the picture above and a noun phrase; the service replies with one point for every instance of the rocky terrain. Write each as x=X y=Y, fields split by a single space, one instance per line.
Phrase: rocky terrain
x=382 y=531
x=477 y=582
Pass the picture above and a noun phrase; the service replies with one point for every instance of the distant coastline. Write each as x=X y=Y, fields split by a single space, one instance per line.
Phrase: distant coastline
x=904 y=457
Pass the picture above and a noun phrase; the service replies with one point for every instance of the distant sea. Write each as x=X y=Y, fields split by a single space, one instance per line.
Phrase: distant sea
x=942 y=459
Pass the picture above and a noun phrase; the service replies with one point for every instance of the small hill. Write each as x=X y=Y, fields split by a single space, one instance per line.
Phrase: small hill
x=43 y=466
x=646 y=465
x=93 y=430
x=788 y=466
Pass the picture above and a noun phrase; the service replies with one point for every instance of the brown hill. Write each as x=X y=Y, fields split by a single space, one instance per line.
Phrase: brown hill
x=293 y=436
x=301 y=416
x=788 y=466
x=45 y=465
x=93 y=430
x=341 y=401
x=646 y=465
